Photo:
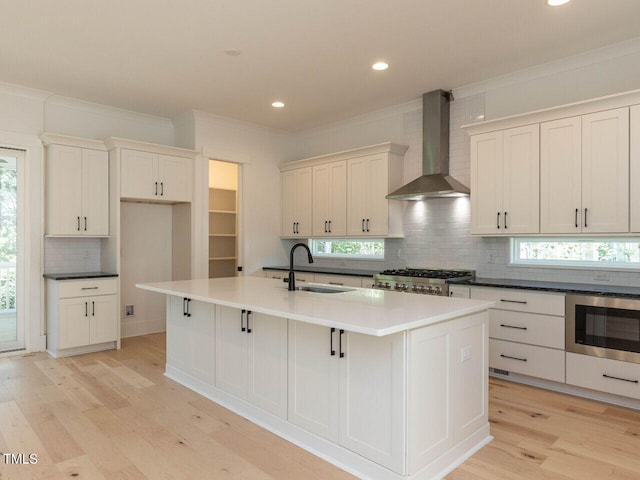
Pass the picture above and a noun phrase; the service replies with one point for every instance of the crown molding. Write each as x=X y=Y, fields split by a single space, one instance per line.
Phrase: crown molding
x=56 y=139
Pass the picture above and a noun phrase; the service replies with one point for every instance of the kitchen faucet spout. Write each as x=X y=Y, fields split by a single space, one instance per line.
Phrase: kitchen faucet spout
x=292 y=278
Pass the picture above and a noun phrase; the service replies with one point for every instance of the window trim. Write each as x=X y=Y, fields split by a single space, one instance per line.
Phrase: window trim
x=346 y=256
x=571 y=264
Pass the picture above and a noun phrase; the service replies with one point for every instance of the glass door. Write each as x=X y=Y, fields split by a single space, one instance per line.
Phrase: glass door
x=11 y=322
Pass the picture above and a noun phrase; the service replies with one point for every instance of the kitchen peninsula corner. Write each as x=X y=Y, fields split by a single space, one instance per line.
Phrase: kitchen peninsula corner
x=382 y=384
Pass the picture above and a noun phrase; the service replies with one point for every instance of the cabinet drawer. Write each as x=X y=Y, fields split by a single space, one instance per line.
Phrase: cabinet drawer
x=538 y=362
x=521 y=300
x=337 y=280
x=532 y=328
x=281 y=274
x=589 y=372
x=84 y=288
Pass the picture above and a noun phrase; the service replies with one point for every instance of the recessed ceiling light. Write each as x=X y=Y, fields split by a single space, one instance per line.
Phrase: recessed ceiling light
x=277 y=104
x=557 y=3
x=380 y=66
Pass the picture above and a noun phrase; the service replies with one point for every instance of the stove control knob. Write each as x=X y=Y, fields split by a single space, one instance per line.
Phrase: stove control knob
x=430 y=289
x=422 y=288
x=414 y=288
x=437 y=290
x=386 y=285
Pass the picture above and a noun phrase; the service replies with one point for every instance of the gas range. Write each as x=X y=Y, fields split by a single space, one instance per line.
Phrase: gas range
x=429 y=281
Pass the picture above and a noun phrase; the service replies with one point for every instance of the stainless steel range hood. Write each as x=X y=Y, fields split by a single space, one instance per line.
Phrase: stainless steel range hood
x=435 y=181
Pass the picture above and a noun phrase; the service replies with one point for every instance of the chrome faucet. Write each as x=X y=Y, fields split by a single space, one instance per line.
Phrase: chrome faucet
x=292 y=278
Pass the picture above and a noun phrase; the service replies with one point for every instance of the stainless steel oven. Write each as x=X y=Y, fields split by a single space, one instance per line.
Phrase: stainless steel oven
x=603 y=326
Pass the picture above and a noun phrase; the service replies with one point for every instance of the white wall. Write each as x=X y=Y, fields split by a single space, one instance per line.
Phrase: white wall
x=146 y=237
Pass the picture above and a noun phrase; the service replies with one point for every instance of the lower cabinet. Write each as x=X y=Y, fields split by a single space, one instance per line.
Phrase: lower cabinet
x=350 y=388
x=82 y=316
x=191 y=337
x=251 y=357
x=604 y=374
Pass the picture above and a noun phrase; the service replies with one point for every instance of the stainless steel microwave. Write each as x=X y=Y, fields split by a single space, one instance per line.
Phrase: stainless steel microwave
x=603 y=326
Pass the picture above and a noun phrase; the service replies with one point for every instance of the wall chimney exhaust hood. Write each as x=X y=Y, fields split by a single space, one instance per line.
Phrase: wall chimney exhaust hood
x=435 y=181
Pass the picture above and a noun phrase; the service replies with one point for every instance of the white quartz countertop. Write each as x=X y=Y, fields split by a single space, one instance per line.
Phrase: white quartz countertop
x=362 y=310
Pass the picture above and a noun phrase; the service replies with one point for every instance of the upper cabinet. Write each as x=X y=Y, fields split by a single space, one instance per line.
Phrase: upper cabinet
x=77 y=182
x=505 y=181
x=330 y=199
x=153 y=176
x=153 y=173
x=585 y=173
x=573 y=169
x=343 y=194
x=296 y=202
x=634 y=176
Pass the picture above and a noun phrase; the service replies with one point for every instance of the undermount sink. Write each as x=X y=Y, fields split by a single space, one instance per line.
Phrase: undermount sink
x=322 y=289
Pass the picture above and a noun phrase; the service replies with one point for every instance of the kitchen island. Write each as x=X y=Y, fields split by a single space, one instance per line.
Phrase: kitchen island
x=384 y=385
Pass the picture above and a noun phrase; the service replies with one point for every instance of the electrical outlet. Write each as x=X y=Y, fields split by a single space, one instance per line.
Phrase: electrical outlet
x=465 y=353
x=128 y=311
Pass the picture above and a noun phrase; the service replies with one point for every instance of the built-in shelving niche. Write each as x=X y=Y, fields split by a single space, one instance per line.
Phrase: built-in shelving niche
x=223 y=219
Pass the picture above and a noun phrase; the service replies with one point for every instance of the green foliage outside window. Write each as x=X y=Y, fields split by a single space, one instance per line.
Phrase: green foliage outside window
x=8 y=237
x=373 y=248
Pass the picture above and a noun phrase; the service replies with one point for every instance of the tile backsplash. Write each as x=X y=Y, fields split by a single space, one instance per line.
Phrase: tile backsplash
x=71 y=255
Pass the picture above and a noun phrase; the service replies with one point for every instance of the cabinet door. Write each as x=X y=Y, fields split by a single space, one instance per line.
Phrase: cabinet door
x=103 y=319
x=605 y=171
x=330 y=200
x=95 y=193
x=486 y=183
x=314 y=379
x=177 y=336
x=357 y=174
x=372 y=398
x=377 y=218
x=296 y=196
x=634 y=168
x=174 y=175
x=561 y=176
x=230 y=350
x=202 y=340
x=138 y=174
x=266 y=378
x=521 y=180
x=64 y=190
x=73 y=322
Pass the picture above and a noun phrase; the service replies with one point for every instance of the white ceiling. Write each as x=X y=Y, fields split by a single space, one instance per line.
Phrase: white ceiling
x=165 y=57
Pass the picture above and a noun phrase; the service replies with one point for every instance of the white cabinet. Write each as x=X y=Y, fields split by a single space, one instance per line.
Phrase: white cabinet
x=296 y=199
x=148 y=175
x=634 y=168
x=330 y=199
x=342 y=280
x=191 y=337
x=251 y=357
x=505 y=181
x=343 y=194
x=585 y=173
x=77 y=191
x=82 y=316
x=368 y=183
x=349 y=388
x=604 y=374
x=527 y=331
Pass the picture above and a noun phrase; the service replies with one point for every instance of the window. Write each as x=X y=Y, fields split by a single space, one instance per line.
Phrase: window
x=348 y=248
x=580 y=252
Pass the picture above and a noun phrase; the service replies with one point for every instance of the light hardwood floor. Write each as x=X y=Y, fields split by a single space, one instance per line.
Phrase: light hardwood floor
x=114 y=416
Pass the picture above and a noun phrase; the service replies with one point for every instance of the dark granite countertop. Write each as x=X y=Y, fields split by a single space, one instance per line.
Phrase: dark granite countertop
x=328 y=270
x=78 y=275
x=571 y=288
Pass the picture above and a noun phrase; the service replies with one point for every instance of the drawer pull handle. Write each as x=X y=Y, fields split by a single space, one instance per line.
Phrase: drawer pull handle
x=618 y=378
x=521 y=302
x=89 y=288
x=513 y=358
x=513 y=326
x=336 y=283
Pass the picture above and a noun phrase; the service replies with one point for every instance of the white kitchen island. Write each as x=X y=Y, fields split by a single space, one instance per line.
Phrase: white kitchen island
x=385 y=385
